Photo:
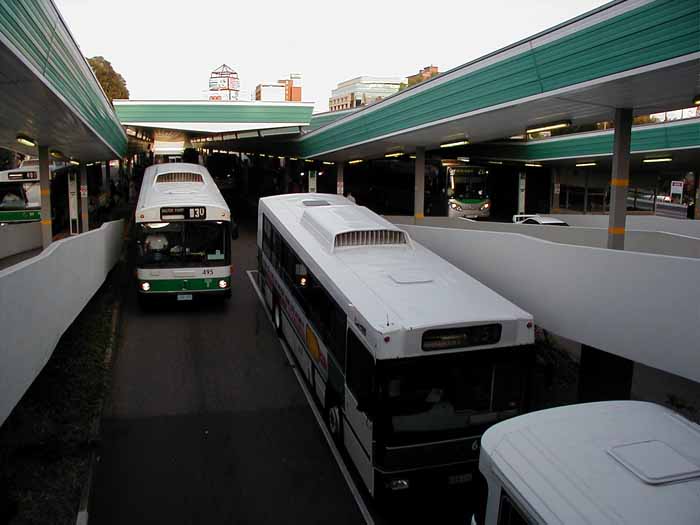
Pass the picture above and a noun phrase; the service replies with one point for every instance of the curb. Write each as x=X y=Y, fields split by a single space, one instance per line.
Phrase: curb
x=83 y=514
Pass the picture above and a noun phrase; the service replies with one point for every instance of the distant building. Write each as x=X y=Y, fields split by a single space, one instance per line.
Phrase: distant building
x=288 y=89
x=270 y=92
x=362 y=91
x=424 y=74
x=223 y=84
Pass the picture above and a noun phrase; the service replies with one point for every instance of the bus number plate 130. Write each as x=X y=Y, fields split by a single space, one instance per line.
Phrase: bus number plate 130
x=195 y=213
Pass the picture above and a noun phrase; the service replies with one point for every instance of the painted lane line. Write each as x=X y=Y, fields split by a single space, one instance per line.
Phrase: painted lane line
x=317 y=414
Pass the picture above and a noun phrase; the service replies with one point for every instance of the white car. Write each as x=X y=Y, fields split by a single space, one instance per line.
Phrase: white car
x=538 y=219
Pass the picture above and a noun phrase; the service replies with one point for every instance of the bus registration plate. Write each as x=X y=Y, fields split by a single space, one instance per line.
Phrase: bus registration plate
x=459 y=479
x=184 y=297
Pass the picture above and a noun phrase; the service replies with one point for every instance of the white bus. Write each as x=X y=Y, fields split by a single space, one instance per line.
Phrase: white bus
x=410 y=358
x=20 y=195
x=183 y=234
x=610 y=462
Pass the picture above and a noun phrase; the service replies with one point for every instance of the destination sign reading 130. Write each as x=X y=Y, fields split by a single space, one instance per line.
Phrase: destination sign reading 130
x=195 y=213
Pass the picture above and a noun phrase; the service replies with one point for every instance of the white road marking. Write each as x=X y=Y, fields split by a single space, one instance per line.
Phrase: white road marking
x=319 y=418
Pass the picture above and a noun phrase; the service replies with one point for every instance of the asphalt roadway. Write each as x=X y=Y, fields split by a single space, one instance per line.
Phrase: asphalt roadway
x=207 y=423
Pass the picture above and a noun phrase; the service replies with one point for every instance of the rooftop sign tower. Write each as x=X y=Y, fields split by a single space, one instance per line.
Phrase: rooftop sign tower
x=224 y=84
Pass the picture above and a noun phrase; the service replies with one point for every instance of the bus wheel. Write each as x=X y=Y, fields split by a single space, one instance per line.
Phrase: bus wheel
x=335 y=424
x=277 y=317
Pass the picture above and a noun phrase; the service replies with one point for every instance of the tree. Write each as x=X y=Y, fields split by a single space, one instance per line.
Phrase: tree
x=112 y=82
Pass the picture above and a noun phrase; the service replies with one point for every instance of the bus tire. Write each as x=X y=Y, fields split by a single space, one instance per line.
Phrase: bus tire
x=145 y=303
x=335 y=422
x=277 y=318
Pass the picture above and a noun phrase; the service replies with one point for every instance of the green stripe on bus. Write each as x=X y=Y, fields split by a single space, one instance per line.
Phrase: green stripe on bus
x=186 y=285
x=470 y=201
x=20 y=215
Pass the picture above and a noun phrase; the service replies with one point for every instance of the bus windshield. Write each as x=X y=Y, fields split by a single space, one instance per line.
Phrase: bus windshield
x=12 y=197
x=467 y=184
x=183 y=244
x=436 y=398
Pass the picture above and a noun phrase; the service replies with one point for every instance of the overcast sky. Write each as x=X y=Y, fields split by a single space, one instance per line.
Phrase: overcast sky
x=165 y=52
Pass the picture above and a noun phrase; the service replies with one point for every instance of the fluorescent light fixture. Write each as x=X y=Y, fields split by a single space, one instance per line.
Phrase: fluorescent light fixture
x=696 y=100
x=586 y=164
x=549 y=127
x=394 y=155
x=308 y=160
x=26 y=141
x=413 y=156
x=454 y=144
x=356 y=161
x=659 y=159
x=293 y=158
x=56 y=154
x=496 y=162
x=533 y=165
x=74 y=162
x=464 y=159
x=328 y=163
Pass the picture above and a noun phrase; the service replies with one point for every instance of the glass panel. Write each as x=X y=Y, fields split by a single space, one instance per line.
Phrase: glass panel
x=434 y=398
x=183 y=244
x=12 y=197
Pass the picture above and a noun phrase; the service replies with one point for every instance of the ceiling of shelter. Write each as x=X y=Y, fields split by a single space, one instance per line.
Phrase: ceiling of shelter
x=48 y=90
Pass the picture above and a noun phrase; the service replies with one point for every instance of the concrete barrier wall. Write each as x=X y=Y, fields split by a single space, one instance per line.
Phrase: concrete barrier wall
x=689 y=228
x=640 y=306
x=638 y=241
x=18 y=238
x=41 y=297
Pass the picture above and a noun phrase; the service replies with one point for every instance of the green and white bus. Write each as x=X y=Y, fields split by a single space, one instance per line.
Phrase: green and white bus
x=20 y=195
x=183 y=234
x=410 y=358
x=468 y=193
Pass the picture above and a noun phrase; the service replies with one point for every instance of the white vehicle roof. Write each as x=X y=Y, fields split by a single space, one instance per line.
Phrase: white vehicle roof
x=611 y=462
x=392 y=282
x=542 y=219
x=179 y=184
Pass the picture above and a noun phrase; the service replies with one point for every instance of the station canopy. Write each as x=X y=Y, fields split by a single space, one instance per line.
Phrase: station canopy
x=48 y=92
x=639 y=54
x=174 y=125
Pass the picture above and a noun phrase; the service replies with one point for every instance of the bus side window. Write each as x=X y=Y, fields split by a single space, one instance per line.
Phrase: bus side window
x=360 y=369
x=267 y=234
x=509 y=513
x=275 y=247
x=328 y=318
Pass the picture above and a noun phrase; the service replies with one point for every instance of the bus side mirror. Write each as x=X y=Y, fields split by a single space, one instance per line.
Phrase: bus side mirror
x=234 y=230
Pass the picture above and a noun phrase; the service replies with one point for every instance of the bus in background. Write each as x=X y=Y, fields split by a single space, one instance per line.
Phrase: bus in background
x=610 y=462
x=468 y=194
x=183 y=234
x=20 y=195
x=410 y=358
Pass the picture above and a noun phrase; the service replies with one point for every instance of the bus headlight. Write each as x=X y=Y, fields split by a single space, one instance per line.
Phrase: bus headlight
x=455 y=206
x=485 y=206
x=145 y=286
x=223 y=283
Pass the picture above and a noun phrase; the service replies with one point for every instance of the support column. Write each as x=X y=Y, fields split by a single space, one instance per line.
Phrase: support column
x=339 y=178
x=45 y=185
x=619 y=181
x=73 y=215
x=419 y=197
x=522 y=180
x=84 y=210
x=696 y=215
x=556 y=191
x=105 y=176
